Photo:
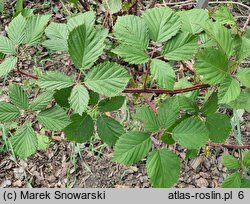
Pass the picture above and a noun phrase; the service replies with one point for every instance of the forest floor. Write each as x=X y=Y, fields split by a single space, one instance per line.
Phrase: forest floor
x=91 y=165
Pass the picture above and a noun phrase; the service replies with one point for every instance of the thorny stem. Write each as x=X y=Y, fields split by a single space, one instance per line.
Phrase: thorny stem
x=27 y=74
x=229 y=146
x=165 y=91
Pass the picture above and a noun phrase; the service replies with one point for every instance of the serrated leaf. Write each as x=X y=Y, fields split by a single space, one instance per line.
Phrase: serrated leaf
x=244 y=76
x=87 y=18
x=163 y=168
x=131 y=54
x=16 y=29
x=219 y=127
x=167 y=113
x=111 y=104
x=43 y=142
x=79 y=99
x=224 y=16
x=24 y=142
x=232 y=181
x=242 y=47
x=132 y=30
x=85 y=45
x=191 y=133
x=7 y=65
x=245 y=183
x=109 y=129
x=191 y=154
x=41 y=101
x=211 y=105
x=163 y=73
x=229 y=90
x=80 y=129
x=58 y=35
x=230 y=162
x=54 y=80
x=167 y=139
x=191 y=20
x=181 y=47
x=242 y=102
x=108 y=79
x=35 y=27
x=246 y=158
x=6 y=46
x=8 y=112
x=62 y=97
x=54 y=118
x=187 y=104
x=163 y=24
x=221 y=35
x=18 y=96
x=149 y=119
x=93 y=98
x=212 y=65
x=113 y=5
x=131 y=147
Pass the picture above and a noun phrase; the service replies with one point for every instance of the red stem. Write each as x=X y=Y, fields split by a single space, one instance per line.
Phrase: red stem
x=85 y=5
x=165 y=91
x=229 y=146
x=150 y=104
x=27 y=74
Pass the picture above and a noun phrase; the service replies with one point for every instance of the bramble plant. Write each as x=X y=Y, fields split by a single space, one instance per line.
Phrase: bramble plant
x=155 y=41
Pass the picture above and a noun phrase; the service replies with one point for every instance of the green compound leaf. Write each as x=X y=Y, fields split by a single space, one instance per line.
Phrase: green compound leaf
x=58 y=35
x=54 y=118
x=18 y=96
x=163 y=168
x=224 y=16
x=54 y=80
x=181 y=47
x=211 y=105
x=85 y=45
x=109 y=129
x=229 y=90
x=163 y=73
x=244 y=77
x=191 y=133
x=79 y=99
x=246 y=158
x=230 y=162
x=221 y=35
x=25 y=141
x=132 y=147
x=108 y=79
x=212 y=66
x=192 y=19
x=16 y=29
x=8 y=112
x=7 y=65
x=35 y=27
x=62 y=97
x=87 y=18
x=232 y=181
x=131 y=54
x=81 y=128
x=6 y=46
x=132 y=30
x=242 y=102
x=149 y=119
x=163 y=24
x=111 y=104
x=219 y=127
x=41 y=101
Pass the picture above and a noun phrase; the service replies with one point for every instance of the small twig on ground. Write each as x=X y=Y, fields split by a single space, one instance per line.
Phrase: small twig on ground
x=246 y=24
x=85 y=5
